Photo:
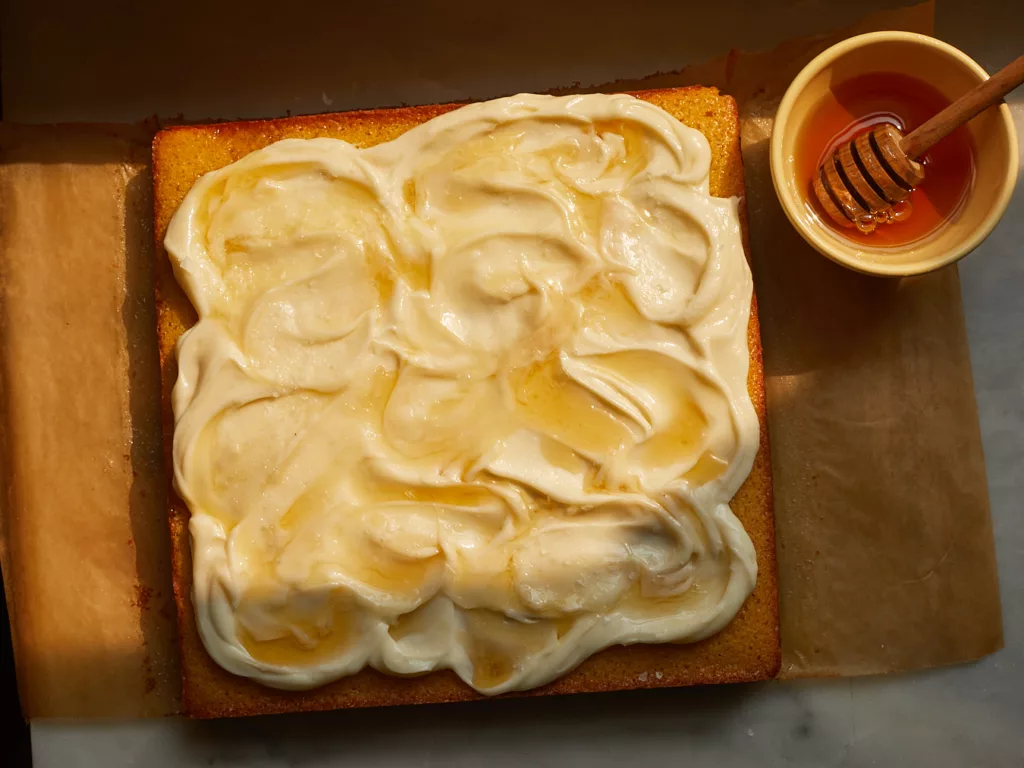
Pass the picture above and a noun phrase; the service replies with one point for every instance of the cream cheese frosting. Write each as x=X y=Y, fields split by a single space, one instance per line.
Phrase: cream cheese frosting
x=475 y=398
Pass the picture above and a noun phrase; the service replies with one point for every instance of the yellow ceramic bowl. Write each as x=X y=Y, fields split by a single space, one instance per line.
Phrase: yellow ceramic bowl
x=950 y=71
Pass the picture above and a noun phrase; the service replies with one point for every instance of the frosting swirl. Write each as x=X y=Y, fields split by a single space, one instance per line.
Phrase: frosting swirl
x=472 y=399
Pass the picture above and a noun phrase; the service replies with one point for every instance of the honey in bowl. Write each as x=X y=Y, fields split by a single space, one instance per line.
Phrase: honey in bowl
x=857 y=105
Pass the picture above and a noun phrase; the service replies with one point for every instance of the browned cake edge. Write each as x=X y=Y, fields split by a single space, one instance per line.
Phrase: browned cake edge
x=747 y=649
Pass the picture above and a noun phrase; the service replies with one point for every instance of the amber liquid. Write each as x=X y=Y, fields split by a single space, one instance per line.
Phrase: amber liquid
x=857 y=105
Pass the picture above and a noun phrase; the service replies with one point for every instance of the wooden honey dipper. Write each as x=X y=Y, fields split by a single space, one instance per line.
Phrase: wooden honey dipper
x=861 y=182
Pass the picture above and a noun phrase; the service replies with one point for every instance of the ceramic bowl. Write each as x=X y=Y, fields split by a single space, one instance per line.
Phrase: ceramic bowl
x=953 y=73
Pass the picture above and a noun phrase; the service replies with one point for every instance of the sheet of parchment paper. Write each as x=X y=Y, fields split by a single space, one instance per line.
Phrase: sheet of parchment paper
x=885 y=542
x=86 y=546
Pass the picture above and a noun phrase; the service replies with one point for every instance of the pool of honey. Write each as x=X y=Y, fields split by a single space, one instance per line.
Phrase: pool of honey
x=863 y=102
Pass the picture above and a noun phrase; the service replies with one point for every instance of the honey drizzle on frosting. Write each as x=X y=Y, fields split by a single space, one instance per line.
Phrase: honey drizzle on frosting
x=472 y=399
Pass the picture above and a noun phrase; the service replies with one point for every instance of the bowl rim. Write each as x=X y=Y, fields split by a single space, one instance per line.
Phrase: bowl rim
x=816 y=239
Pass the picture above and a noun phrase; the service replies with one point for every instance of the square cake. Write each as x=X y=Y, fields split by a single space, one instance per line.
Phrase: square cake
x=467 y=403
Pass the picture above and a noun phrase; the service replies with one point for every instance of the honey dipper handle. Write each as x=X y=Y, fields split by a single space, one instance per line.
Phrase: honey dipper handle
x=919 y=141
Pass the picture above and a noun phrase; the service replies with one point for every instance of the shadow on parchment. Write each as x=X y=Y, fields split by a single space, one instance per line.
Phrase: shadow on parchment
x=81 y=144
x=148 y=494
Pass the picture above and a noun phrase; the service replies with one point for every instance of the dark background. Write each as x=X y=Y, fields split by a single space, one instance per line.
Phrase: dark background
x=15 y=746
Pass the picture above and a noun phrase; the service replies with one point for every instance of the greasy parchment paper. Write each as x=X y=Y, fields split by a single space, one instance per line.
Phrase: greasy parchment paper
x=885 y=550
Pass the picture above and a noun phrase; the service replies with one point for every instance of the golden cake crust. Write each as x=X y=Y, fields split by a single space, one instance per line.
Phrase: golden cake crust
x=747 y=649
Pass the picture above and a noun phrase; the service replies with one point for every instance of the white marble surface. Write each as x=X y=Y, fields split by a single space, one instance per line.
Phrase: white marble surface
x=972 y=715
